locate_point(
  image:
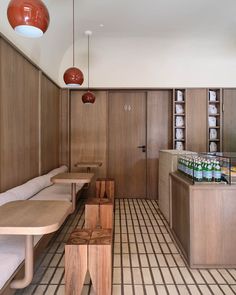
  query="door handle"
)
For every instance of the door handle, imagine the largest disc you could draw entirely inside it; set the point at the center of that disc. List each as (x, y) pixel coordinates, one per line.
(143, 147)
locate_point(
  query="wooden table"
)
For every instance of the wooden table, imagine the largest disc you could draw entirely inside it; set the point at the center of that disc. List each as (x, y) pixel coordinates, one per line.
(31, 218)
(88, 165)
(73, 179)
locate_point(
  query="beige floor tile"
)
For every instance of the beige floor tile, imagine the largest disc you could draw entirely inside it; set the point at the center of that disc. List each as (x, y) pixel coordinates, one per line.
(227, 290)
(229, 279)
(197, 276)
(117, 260)
(179, 260)
(186, 275)
(183, 290)
(51, 290)
(152, 260)
(217, 276)
(125, 248)
(207, 276)
(144, 261)
(134, 260)
(54, 262)
(194, 290)
(205, 290)
(125, 260)
(146, 276)
(138, 290)
(139, 238)
(172, 290)
(233, 273)
(116, 290)
(47, 276)
(146, 238)
(150, 290)
(62, 262)
(124, 238)
(141, 248)
(157, 248)
(149, 248)
(137, 276)
(165, 248)
(167, 275)
(176, 275)
(85, 290)
(40, 290)
(216, 290)
(161, 290)
(128, 290)
(127, 276)
(116, 248)
(61, 290)
(161, 260)
(131, 238)
(57, 276)
(170, 260)
(157, 276)
(133, 248)
(117, 275)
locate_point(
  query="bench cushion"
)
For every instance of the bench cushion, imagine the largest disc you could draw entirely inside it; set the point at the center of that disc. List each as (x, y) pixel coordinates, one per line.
(12, 253)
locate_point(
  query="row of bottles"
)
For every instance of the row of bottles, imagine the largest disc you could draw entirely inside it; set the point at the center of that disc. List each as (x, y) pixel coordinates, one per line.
(200, 168)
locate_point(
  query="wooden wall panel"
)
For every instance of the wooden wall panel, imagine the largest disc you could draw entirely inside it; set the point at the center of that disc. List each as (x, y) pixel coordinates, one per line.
(65, 127)
(158, 134)
(229, 123)
(50, 102)
(19, 132)
(196, 120)
(89, 133)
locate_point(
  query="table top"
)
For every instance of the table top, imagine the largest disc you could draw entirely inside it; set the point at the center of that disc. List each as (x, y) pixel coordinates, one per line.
(72, 177)
(88, 164)
(33, 217)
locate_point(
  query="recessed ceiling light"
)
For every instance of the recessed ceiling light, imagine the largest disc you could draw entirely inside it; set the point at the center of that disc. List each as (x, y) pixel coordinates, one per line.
(101, 25)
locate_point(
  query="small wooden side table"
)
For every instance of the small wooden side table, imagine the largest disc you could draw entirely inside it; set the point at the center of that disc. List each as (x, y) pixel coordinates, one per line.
(73, 179)
(88, 165)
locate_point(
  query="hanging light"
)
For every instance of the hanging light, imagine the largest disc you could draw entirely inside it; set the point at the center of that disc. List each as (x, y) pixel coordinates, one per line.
(88, 97)
(29, 18)
(73, 76)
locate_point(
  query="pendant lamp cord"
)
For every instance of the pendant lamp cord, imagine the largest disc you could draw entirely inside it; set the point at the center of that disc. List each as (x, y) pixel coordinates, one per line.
(73, 33)
(88, 60)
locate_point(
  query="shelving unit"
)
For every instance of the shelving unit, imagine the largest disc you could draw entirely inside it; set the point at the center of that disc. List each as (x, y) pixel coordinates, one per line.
(179, 121)
(214, 113)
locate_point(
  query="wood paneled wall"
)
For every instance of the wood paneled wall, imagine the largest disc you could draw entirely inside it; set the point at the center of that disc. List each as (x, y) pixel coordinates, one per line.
(19, 132)
(229, 124)
(50, 104)
(89, 133)
(23, 105)
(159, 131)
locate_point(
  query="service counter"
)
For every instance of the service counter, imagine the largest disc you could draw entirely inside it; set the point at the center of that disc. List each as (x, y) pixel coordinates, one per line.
(203, 221)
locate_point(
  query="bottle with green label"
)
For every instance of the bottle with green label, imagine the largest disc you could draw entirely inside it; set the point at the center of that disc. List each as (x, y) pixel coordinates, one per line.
(198, 172)
(217, 172)
(209, 171)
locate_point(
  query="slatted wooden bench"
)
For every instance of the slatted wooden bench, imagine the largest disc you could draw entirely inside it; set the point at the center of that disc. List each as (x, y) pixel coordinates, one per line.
(89, 250)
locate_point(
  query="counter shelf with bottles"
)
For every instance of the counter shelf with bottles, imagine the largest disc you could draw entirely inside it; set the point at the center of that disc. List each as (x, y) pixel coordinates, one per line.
(207, 168)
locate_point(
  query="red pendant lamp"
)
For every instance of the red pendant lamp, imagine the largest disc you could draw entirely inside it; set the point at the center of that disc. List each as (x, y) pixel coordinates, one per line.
(88, 97)
(29, 18)
(73, 76)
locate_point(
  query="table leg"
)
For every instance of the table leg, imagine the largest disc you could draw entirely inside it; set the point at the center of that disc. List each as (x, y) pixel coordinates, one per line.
(29, 265)
(88, 169)
(73, 195)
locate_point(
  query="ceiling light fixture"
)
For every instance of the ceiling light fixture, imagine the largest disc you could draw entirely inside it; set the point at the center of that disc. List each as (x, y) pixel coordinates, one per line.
(29, 18)
(73, 76)
(88, 96)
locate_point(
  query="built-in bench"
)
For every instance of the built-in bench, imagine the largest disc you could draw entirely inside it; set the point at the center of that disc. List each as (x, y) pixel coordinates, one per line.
(12, 248)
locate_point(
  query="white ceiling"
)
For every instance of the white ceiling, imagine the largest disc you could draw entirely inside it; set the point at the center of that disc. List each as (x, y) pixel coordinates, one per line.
(209, 19)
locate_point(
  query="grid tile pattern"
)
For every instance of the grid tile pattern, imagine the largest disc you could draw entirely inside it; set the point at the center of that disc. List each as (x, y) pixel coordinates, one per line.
(146, 259)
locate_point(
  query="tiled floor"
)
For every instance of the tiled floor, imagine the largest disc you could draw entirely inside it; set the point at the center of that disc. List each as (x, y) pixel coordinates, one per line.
(146, 260)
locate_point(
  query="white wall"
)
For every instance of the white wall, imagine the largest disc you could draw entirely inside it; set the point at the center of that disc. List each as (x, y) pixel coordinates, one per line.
(150, 62)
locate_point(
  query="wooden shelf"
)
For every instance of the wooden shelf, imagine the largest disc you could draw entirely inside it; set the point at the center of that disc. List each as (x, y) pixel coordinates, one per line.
(182, 140)
(216, 127)
(214, 115)
(183, 114)
(176, 127)
(214, 102)
(180, 102)
(214, 140)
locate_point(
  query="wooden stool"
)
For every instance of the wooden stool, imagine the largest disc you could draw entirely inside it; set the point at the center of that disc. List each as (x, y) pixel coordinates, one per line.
(98, 212)
(89, 250)
(105, 188)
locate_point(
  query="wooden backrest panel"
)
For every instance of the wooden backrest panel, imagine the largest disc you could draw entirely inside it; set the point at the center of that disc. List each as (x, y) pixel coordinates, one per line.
(19, 107)
(50, 101)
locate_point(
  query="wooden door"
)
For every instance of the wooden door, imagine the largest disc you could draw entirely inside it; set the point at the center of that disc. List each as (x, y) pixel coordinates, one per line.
(127, 131)
(196, 120)
(229, 124)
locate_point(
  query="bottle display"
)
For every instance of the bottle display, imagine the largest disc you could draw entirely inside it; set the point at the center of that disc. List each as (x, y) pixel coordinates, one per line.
(200, 168)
